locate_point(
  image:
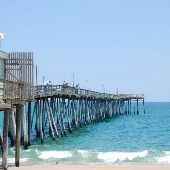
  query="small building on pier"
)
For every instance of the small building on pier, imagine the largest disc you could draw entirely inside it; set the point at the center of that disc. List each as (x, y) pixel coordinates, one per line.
(16, 88)
(3, 58)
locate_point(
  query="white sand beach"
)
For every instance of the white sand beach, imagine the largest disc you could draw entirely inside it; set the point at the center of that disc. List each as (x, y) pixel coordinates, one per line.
(93, 167)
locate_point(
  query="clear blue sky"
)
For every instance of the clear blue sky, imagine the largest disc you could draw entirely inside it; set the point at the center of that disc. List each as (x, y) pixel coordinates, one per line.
(115, 43)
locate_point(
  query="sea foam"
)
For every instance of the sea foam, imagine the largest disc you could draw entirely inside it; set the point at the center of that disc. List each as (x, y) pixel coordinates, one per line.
(12, 160)
(84, 153)
(111, 157)
(165, 158)
(55, 154)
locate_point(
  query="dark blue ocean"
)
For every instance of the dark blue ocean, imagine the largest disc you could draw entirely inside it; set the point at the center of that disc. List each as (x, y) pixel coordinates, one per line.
(143, 138)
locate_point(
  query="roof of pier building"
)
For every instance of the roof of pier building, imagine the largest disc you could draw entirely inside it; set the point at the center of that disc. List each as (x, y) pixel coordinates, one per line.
(3, 54)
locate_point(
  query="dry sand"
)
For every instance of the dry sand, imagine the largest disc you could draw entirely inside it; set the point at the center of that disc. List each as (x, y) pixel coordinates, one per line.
(93, 167)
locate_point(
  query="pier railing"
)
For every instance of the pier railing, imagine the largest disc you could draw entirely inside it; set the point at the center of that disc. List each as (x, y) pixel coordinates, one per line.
(54, 90)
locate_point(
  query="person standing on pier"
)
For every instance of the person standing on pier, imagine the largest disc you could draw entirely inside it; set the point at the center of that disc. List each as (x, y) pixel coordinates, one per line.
(47, 85)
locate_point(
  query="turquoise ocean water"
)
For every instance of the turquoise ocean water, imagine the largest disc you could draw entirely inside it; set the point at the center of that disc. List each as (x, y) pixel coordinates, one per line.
(143, 138)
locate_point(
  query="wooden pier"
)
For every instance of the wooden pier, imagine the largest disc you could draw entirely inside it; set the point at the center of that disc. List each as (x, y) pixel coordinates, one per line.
(67, 108)
(57, 109)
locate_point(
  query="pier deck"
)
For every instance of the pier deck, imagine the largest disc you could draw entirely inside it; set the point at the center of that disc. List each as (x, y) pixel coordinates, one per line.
(43, 91)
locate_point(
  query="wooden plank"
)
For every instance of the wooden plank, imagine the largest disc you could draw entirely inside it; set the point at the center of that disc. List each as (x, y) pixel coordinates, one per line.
(4, 106)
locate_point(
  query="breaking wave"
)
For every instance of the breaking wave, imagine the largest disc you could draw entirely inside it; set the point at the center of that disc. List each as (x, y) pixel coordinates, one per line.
(33, 156)
(111, 157)
(55, 154)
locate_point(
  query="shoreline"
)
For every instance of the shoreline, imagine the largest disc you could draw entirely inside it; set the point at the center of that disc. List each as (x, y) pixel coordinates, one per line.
(95, 167)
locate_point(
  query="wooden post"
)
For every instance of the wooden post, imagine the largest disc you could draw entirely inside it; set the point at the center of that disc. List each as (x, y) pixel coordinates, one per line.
(43, 116)
(74, 114)
(17, 145)
(1, 141)
(13, 124)
(34, 111)
(62, 115)
(85, 112)
(88, 112)
(37, 125)
(113, 106)
(25, 138)
(119, 106)
(51, 109)
(58, 115)
(126, 105)
(104, 109)
(10, 129)
(49, 119)
(130, 106)
(40, 122)
(80, 112)
(29, 123)
(68, 116)
(144, 106)
(137, 106)
(92, 111)
(5, 140)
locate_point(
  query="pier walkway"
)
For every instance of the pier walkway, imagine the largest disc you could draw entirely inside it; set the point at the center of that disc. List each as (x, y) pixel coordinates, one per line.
(61, 90)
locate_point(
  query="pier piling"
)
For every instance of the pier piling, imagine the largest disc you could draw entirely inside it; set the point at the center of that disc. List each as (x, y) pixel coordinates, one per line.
(5, 140)
(18, 126)
(29, 123)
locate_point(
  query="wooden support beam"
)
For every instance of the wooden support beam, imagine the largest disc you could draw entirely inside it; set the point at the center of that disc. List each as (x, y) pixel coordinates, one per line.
(49, 119)
(1, 141)
(29, 123)
(68, 116)
(130, 106)
(40, 122)
(12, 127)
(52, 114)
(17, 145)
(43, 116)
(37, 123)
(144, 106)
(25, 137)
(62, 115)
(5, 140)
(137, 106)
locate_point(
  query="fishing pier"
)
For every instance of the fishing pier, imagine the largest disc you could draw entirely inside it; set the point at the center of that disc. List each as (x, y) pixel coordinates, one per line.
(50, 110)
